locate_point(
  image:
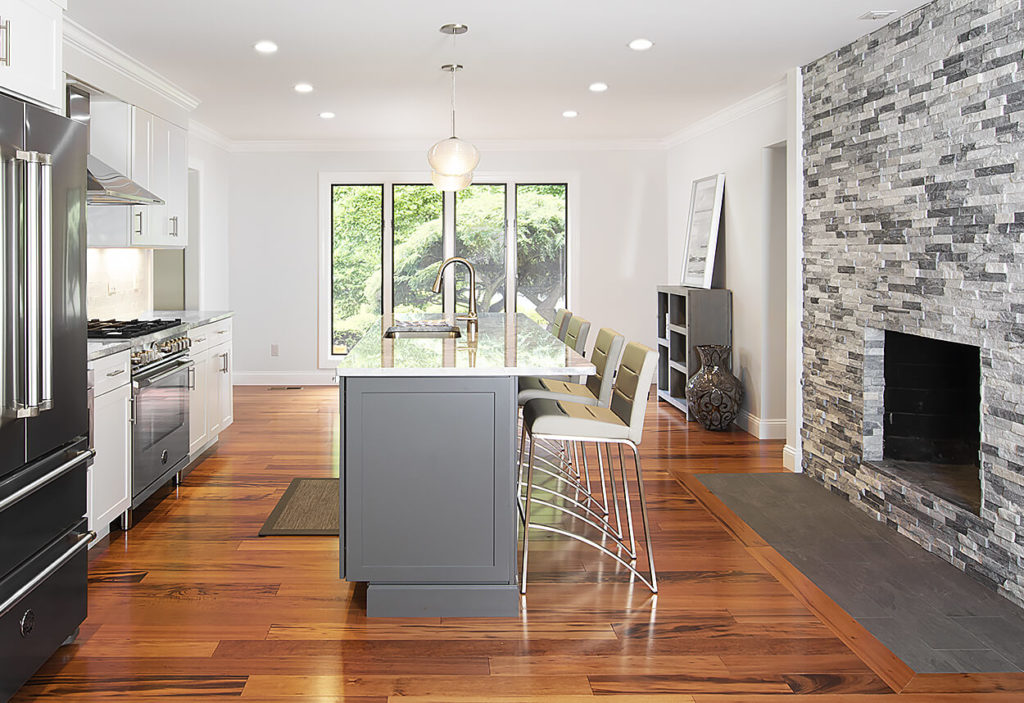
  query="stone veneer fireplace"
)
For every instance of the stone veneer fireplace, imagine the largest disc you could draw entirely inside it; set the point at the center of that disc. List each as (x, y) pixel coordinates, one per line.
(914, 224)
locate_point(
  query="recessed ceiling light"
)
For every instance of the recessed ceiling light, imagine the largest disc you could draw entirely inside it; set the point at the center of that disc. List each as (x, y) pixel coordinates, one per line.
(570, 113)
(327, 115)
(598, 87)
(877, 14)
(265, 46)
(641, 44)
(303, 88)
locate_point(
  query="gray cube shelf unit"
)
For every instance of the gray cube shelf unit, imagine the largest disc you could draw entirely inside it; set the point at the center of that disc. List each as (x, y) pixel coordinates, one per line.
(687, 318)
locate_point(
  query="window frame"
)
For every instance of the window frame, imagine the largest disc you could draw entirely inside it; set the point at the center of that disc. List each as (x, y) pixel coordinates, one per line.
(388, 180)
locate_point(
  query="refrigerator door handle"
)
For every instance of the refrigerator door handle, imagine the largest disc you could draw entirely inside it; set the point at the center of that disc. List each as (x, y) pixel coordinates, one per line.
(45, 166)
(7, 213)
(34, 330)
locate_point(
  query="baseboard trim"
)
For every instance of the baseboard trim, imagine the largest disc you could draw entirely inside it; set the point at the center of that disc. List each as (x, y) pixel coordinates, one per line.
(284, 378)
(791, 459)
(761, 428)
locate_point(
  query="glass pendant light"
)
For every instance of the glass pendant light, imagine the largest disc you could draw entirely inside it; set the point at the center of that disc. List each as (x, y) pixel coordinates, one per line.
(443, 182)
(453, 160)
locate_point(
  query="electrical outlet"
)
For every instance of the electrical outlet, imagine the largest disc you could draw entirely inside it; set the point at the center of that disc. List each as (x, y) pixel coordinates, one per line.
(274, 350)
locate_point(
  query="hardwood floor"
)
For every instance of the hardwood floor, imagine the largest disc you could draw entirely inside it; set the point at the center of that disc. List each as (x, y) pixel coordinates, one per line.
(190, 604)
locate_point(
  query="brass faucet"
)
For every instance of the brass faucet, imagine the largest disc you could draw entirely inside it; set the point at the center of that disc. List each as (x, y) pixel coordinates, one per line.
(470, 316)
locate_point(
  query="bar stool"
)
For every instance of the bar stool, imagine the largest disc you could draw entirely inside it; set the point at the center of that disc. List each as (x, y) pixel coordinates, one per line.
(621, 424)
(597, 390)
(560, 323)
(576, 334)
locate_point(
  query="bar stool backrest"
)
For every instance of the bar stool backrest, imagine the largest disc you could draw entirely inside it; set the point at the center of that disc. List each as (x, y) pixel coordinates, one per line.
(563, 326)
(605, 356)
(632, 385)
(555, 326)
(576, 335)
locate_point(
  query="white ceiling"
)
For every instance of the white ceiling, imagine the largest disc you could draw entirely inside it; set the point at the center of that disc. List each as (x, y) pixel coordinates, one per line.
(377, 64)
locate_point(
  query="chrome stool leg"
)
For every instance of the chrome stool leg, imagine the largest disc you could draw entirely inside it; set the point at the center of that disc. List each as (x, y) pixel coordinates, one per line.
(629, 504)
(526, 523)
(643, 514)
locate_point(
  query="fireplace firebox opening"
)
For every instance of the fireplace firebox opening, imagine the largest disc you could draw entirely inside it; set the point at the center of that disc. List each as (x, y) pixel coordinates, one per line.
(931, 423)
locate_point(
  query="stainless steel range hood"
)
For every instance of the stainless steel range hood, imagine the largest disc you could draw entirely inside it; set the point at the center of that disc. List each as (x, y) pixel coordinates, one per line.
(108, 187)
(105, 185)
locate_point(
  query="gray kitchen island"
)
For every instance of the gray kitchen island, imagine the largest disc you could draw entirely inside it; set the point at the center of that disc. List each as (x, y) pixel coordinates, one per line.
(427, 464)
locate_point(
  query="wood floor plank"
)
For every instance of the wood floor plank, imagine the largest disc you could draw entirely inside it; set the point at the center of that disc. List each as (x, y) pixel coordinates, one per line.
(452, 686)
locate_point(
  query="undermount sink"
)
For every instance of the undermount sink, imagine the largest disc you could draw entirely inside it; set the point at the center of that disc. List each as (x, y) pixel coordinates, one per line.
(425, 329)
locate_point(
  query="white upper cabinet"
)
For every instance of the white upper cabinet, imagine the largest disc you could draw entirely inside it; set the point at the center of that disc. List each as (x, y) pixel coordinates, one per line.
(154, 154)
(177, 185)
(31, 51)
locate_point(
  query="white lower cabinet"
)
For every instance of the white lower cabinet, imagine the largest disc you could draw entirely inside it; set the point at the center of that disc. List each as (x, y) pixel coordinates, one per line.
(221, 395)
(198, 425)
(211, 401)
(109, 485)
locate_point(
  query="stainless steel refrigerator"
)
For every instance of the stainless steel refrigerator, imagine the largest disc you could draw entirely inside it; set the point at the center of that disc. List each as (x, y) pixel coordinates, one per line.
(44, 452)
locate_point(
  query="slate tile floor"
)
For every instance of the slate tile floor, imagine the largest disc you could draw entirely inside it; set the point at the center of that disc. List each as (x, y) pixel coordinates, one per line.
(927, 612)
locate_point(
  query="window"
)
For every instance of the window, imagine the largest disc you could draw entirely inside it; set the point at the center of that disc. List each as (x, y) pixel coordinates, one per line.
(357, 226)
(382, 240)
(418, 217)
(541, 264)
(480, 214)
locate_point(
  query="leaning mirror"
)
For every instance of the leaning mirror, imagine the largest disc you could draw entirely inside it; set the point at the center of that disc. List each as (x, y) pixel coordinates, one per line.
(702, 231)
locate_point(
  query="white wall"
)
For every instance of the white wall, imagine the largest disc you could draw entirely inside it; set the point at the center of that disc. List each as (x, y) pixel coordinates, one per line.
(734, 142)
(620, 219)
(208, 254)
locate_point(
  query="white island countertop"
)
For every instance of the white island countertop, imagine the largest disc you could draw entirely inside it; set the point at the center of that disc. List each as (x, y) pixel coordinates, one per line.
(512, 345)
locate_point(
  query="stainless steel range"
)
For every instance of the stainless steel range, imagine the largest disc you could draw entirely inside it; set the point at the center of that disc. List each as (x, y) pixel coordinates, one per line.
(162, 376)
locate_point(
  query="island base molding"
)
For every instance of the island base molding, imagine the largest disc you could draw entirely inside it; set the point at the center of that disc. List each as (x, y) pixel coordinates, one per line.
(442, 601)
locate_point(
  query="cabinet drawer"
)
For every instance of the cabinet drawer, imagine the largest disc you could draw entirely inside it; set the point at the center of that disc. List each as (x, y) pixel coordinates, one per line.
(33, 626)
(208, 336)
(111, 372)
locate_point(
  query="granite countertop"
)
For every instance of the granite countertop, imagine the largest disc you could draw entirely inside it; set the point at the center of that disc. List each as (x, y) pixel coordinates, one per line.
(190, 318)
(99, 348)
(511, 345)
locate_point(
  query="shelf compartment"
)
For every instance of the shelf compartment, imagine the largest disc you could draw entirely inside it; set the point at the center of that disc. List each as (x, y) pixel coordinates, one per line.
(677, 347)
(677, 310)
(662, 315)
(679, 403)
(662, 368)
(676, 382)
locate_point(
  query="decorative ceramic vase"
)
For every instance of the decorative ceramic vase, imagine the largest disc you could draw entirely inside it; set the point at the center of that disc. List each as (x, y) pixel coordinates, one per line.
(713, 393)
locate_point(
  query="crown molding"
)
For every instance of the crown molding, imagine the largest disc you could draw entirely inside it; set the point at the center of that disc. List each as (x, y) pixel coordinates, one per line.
(81, 39)
(349, 145)
(209, 135)
(774, 93)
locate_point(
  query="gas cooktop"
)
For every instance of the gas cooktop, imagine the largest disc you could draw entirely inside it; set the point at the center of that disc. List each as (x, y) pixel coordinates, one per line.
(127, 329)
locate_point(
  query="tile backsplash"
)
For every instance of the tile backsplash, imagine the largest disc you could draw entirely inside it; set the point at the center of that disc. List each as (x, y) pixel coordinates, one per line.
(120, 283)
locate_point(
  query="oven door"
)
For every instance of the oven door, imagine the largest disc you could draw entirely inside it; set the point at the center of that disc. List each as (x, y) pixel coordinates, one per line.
(160, 426)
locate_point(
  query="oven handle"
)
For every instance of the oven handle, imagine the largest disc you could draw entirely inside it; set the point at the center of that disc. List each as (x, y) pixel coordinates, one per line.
(143, 382)
(82, 541)
(48, 478)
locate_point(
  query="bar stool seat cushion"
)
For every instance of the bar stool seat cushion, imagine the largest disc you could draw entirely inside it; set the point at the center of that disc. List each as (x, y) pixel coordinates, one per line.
(560, 418)
(533, 387)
